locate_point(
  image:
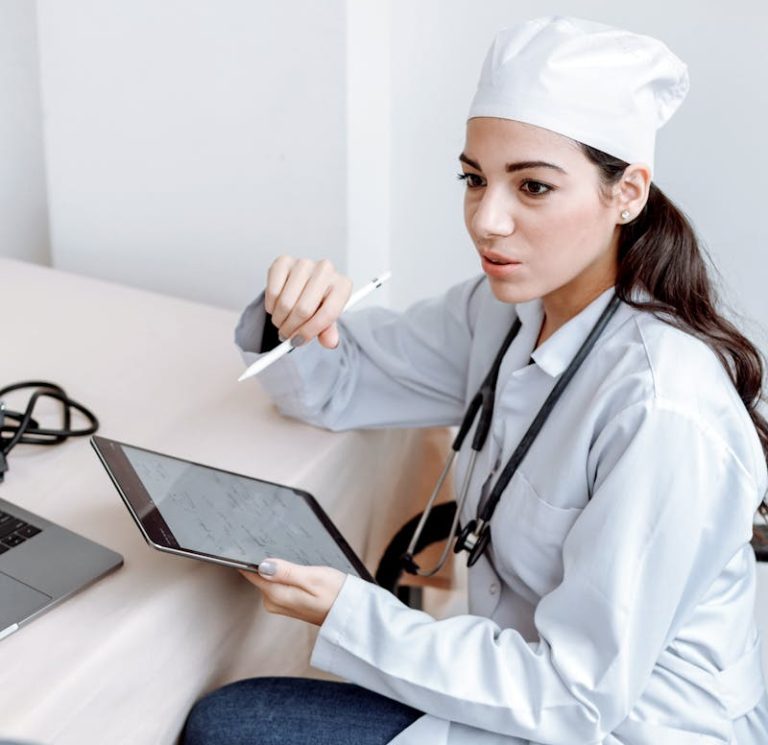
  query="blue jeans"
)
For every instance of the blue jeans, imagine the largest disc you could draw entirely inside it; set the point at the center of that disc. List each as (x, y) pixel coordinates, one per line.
(295, 711)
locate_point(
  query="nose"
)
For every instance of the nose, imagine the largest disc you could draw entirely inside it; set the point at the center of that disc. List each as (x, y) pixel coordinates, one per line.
(493, 215)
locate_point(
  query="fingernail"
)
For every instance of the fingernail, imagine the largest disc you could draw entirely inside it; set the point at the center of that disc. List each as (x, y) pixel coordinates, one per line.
(268, 568)
(297, 341)
(281, 337)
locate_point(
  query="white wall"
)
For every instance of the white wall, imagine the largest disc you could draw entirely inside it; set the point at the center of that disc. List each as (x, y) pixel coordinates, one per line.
(368, 136)
(189, 140)
(711, 157)
(23, 207)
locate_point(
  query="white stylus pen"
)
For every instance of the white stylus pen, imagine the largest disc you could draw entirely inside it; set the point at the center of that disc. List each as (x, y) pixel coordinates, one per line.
(281, 350)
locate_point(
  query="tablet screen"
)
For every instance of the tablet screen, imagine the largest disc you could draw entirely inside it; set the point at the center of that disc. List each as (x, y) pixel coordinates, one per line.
(222, 514)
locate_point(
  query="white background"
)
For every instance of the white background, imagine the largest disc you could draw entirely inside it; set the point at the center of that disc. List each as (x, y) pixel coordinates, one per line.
(23, 204)
(188, 142)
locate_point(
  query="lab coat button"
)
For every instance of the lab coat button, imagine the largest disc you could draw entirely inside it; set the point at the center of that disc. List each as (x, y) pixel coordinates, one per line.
(494, 588)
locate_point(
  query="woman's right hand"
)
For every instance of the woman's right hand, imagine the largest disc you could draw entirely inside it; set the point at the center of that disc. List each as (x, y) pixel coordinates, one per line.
(305, 298)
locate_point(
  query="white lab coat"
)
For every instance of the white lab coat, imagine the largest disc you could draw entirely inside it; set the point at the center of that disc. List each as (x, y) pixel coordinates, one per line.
(616, 603)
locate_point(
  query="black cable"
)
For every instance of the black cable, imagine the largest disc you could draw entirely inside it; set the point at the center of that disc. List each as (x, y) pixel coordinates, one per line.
(21, 428)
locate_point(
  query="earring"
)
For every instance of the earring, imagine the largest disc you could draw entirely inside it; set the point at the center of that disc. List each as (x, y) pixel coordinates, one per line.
(624, 214)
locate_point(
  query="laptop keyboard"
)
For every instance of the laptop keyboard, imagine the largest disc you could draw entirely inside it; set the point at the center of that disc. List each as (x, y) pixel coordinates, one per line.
(14, 531)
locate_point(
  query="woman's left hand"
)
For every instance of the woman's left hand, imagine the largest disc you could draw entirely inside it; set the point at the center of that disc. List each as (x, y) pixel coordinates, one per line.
(306, 593)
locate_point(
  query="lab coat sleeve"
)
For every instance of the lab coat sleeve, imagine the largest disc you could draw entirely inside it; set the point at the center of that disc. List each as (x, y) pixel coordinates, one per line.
(671, 505)
(390, 369)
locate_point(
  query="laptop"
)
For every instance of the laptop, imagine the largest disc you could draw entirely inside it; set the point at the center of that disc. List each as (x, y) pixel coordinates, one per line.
(42, 564)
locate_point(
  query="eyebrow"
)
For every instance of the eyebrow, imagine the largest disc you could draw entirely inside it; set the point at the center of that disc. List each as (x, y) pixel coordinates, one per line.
(520, 165)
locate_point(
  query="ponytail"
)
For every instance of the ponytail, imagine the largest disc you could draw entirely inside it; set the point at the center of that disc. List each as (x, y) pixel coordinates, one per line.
(659, 253)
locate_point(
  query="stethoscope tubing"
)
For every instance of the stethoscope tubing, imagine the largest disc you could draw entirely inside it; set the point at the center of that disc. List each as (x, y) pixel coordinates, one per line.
(454, 524)
(546, 409)
(26, 430)
(475, 537)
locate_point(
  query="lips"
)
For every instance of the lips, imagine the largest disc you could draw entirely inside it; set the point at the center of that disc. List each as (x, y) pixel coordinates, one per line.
(499, 267)
(498, 259)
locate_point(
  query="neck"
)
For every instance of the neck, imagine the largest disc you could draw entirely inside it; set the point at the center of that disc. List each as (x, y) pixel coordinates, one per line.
(566, 302)
(570, 299)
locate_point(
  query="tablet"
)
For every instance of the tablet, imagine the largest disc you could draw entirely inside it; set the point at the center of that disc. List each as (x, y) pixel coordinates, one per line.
(205, 513)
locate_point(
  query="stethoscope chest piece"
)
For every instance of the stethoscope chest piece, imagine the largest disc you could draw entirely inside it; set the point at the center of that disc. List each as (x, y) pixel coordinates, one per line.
(474, 538)
(476, 535)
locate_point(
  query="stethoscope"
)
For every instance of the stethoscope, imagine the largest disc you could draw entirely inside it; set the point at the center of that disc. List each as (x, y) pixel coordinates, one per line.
(475, 536)
(21, 428)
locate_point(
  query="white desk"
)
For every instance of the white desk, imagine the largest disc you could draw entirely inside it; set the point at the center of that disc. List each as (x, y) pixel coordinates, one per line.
(123, 661)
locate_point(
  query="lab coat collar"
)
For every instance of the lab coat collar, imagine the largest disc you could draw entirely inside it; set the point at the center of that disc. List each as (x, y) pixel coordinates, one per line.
(556, 353)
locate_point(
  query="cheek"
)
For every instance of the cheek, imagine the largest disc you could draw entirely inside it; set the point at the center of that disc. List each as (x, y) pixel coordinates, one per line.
(570, 237)
(469, 211)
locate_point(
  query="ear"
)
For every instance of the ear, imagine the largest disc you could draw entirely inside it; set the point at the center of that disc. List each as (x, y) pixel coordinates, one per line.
(631, 192)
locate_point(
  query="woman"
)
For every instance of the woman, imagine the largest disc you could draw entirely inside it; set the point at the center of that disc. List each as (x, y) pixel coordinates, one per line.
(615, 601)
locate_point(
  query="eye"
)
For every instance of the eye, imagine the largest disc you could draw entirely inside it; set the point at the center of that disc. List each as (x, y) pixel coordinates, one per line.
(472, 180)
(535, 188)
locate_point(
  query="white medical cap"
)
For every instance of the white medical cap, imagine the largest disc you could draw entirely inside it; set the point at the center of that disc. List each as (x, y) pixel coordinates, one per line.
(608, 88)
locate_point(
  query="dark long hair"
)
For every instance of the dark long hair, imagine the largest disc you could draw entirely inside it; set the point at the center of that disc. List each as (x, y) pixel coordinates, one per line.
(659, 253)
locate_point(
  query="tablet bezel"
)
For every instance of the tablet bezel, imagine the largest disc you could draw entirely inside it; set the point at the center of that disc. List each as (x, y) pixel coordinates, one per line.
(156, 531)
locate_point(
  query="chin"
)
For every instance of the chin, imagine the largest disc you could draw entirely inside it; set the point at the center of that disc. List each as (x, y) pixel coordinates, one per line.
(507, 292)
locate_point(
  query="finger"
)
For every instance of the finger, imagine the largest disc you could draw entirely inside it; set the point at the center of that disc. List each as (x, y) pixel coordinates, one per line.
(291, 602)
(297, 603)
(282, 599)
(306, 593)
(330, 337)
(298, 276)
(318, 286)
(276, 276)
(329, 311)
(288, 600)
(282, 572)
(277, 596)
(252, 577)
(310, 580)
